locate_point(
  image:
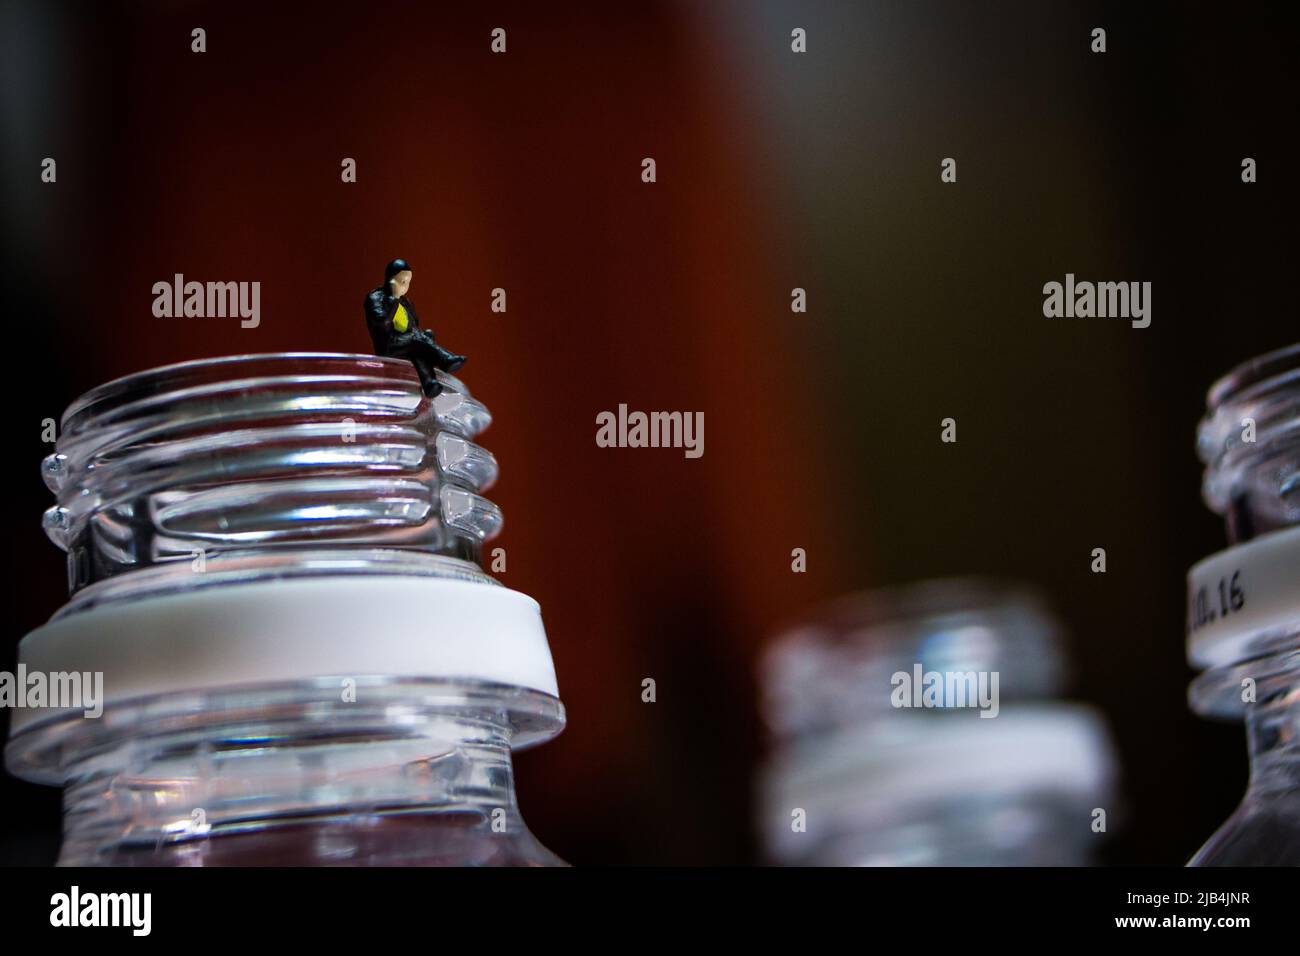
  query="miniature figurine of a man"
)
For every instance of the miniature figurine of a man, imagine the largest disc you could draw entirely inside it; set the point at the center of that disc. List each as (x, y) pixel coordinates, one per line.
(396, 333)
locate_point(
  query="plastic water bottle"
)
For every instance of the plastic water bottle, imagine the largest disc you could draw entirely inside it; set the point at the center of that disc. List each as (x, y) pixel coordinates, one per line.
(1243, 616)
(920, 726)
(274, 568)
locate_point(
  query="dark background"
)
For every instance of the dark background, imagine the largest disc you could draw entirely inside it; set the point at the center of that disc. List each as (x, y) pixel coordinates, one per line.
(775, 170)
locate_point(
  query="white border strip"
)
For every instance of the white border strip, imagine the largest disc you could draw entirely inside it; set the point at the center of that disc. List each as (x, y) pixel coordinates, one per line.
(294, 629)
(1238, 593)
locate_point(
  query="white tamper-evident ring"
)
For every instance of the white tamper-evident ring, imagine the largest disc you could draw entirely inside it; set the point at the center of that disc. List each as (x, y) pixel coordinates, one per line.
(294, 629)
(1239, 593)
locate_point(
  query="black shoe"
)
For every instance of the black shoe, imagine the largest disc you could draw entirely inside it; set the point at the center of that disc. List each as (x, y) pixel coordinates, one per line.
(453, 362)
(432, 388)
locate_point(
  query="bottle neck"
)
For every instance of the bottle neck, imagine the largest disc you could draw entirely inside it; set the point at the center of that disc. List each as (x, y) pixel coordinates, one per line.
(1273, 736)
(1250, 444)
(1263, 689)
(389, 780)
(261, 467)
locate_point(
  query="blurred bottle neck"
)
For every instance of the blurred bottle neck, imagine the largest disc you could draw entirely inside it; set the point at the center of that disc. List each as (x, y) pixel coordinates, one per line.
(1249, 441)
(1273, 736)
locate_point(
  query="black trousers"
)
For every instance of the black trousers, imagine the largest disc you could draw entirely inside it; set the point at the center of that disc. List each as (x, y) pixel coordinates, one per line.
(426, 355)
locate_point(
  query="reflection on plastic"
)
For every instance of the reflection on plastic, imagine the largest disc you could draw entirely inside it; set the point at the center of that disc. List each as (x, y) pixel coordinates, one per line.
(1243, 611)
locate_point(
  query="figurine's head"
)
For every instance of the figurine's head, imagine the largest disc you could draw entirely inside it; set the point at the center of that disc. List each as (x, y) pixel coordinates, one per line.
(397, 276)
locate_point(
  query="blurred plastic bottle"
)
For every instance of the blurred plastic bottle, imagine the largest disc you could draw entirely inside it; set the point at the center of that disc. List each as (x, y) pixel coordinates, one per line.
(274, 564)
(862, 775)
(1243, 617)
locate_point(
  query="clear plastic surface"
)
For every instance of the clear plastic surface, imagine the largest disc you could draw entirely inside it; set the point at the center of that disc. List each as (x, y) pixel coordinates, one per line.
(1249, 440)
(855, 779)
(383, 773)
(249, 470)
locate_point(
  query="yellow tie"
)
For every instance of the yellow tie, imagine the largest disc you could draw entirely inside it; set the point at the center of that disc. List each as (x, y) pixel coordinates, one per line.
(400, 321)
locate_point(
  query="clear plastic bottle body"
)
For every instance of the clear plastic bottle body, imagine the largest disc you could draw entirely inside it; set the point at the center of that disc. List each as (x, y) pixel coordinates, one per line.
(1250, 443)
(995, 828)
(198, 485)
(390, 773)
(1264, 830)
